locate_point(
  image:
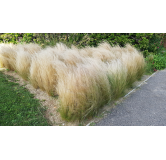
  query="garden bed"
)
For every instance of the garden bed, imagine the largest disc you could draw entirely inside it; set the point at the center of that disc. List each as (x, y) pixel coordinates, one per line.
(52, 104)
(82, 80)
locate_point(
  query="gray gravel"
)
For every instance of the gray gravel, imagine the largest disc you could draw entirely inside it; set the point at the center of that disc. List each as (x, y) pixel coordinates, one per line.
(145, 107)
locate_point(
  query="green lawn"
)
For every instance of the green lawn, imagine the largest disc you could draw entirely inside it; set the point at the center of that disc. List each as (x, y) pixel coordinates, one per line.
(17, 105)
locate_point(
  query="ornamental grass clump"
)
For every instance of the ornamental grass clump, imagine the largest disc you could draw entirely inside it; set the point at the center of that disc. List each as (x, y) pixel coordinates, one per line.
(1, 64)
(131, 58)
(82, 89)
(117, 51)
(42, 72)
(138, 60)
(117, 75)
(8, 56)
(103, 54)
(30, 47)
(105, 45)
(99, 53)
(24, 57)
(85, 79)
(23, 62)
(72, 57)
(134, 62)
(60, 47)
(82, 51)
(128, 61)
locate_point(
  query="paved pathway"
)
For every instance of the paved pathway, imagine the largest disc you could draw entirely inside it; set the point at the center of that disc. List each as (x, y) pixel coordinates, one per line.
(145, 107)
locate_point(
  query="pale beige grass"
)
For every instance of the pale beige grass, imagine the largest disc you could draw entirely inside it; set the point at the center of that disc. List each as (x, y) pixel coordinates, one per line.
(23, 62)
(82, 89)
(30, 47)
(42, 72)
(117, 75)
(8, 56)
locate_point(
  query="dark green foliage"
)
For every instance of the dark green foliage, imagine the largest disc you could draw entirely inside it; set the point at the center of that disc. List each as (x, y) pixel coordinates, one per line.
(159, 61)
(17, 106)
(156, 62)
(112, 38)
(10, 37)
(145, 42)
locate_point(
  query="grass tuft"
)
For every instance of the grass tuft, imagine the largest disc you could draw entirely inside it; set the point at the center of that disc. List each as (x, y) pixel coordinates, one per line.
(42, 72)
(117, 75)
(82, 90)
(23, 58)
(8, 56)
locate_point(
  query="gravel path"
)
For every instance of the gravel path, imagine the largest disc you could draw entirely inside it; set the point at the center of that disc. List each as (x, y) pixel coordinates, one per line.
(145, 107)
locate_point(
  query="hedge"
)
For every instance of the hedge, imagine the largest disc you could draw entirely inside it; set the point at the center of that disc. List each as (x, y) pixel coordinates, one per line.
(148, 43)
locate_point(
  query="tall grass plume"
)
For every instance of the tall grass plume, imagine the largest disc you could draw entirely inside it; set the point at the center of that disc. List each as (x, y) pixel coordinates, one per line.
(82, 89)
(8, 56)
(117, 75)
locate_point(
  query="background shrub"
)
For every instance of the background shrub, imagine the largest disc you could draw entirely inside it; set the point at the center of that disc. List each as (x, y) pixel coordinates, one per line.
(159, 61)
(145, 42)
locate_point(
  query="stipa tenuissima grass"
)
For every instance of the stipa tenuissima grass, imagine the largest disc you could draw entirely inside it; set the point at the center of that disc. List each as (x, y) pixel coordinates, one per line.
(8, 56)
(82, 89)
(42, 72)
(30, 47)
(117, 75)
(24, 57)
(85, 79)
(138, 60)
